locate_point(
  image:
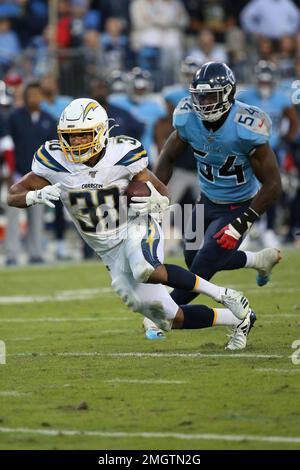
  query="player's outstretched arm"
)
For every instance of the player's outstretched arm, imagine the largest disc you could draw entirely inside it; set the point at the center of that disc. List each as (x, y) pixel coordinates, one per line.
(32, 189)
(265, 168)
(171, 151)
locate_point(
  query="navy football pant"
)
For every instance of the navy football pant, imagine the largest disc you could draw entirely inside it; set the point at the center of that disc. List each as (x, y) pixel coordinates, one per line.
(211, 258)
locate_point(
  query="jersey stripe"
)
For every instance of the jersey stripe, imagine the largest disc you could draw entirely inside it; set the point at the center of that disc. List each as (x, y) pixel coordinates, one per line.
(44, 157)
(133, 156)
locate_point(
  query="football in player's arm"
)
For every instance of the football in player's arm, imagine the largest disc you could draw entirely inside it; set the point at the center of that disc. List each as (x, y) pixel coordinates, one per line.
(88, 171)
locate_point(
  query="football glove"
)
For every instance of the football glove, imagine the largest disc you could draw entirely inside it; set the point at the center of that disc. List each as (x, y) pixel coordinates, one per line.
(154, 204)
(44, 196)
(229, 235)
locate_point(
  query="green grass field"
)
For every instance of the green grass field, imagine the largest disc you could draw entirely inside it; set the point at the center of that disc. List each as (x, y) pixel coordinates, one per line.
(80, 375)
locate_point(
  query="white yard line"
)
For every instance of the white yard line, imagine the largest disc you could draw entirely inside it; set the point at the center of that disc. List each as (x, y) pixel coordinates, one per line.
(154, 435)
(63, 296)
(64, 319)
(146, 355)
(148, 381)
(283, 371)
(99, 333)
(12, 393)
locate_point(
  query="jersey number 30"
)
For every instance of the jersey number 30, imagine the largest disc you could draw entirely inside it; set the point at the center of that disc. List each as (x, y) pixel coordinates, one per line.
(96, 210)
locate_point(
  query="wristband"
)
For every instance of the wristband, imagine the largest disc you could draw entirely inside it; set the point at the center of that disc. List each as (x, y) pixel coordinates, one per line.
(244, 222)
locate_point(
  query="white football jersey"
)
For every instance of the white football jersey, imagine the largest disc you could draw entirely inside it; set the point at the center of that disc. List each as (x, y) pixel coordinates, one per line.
(91, 195)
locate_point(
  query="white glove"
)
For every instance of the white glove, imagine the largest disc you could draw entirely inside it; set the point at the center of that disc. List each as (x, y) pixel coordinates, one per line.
(44, 196)
(154, 204)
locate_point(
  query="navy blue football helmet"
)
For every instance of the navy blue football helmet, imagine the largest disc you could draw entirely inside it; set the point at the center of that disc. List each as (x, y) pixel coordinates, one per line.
(212, 90)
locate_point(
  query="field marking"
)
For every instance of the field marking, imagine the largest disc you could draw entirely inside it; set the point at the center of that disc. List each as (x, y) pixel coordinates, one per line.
(261, 369)
(151, 435)
(65, 319)
(12, 393)
(63, 296)
(278, 315)
(148, 381)
(139, 354)
(99, 333)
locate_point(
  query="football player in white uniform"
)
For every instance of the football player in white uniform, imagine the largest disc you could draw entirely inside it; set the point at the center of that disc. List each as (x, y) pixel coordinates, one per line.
(89, 171)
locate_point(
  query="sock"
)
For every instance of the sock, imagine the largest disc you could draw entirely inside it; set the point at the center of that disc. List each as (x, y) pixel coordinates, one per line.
(197, 316)
(224, 316)
(251, 259)
(149, 324)
(184, 279)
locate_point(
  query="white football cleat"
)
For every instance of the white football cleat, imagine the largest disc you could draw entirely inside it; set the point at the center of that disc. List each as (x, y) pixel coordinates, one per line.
(265, 260)
(236, 302)
(238, 338)
(152, 331)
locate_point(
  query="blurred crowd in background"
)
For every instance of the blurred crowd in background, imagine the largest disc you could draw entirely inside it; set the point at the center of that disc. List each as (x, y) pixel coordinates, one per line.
(137, 57)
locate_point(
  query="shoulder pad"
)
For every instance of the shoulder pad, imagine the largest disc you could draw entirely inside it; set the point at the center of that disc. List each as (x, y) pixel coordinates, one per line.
(49, 155)
(252, 122)
(182, 112)
(132, 150)
(184, 106)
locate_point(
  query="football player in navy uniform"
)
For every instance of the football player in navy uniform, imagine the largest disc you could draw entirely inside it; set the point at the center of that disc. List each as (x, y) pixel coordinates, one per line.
(237, 170)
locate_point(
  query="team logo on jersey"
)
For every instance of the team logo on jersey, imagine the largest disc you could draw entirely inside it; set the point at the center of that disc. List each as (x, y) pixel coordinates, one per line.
(92, 174)
(87, 109)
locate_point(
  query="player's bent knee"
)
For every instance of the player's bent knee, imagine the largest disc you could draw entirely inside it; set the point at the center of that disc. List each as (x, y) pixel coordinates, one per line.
(142, 272)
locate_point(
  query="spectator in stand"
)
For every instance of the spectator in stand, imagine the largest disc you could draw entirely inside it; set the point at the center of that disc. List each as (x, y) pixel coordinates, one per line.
(286, 57)
(82, 19)
(217, 15)
(92, 56)
(7, 156)
(32, 21)
(206, 49)
(64, 24)
(113, 8)
(28, 127)
(39, 52)
(9, 44)
(271, 18)
(157, 37)
(114, 44)
(15, 88)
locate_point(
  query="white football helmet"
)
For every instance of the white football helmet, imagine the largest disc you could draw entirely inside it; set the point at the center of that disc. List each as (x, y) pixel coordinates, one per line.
(83, 115)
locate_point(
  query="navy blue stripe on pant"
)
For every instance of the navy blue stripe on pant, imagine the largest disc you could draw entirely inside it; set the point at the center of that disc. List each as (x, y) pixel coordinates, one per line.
(211, 258)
